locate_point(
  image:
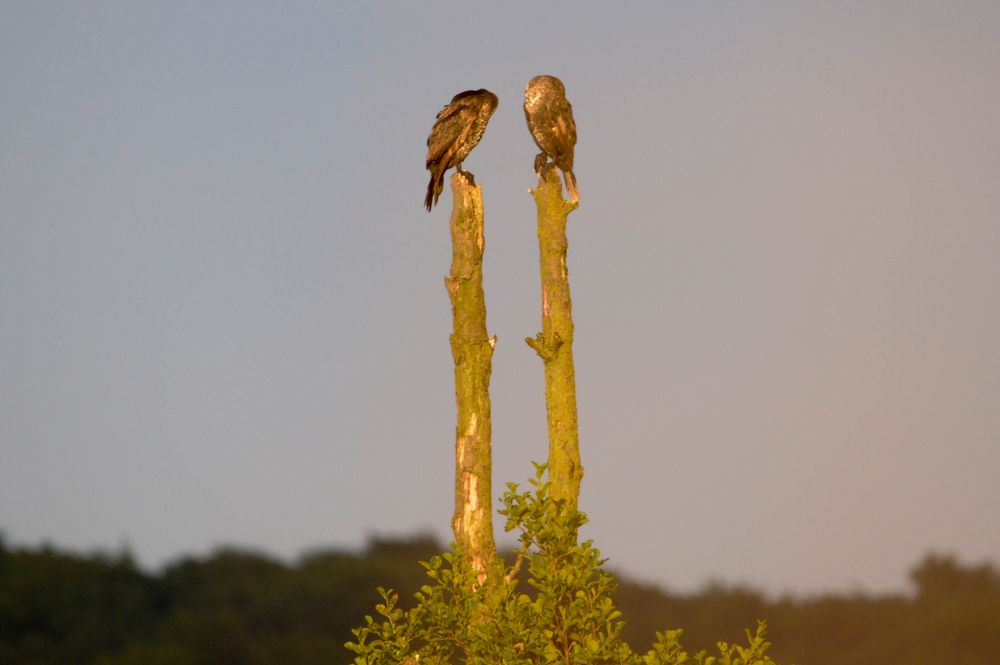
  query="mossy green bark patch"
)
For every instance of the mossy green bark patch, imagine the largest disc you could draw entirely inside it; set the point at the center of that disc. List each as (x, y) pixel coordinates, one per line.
(554, 344)
(472, 351)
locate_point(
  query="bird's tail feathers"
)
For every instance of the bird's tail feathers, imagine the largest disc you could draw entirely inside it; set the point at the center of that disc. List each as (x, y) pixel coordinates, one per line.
(429, 199)
(434, 188)
(574, 193)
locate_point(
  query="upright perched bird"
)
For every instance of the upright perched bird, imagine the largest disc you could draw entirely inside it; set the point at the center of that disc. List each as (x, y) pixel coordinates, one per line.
(458, 129)
(550, 120)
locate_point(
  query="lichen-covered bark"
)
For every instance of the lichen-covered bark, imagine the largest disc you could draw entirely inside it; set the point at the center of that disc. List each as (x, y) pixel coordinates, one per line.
(472, 350)
(554, 344)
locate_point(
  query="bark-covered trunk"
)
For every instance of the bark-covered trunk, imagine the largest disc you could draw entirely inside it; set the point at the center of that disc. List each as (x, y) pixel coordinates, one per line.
(554, 344)
(472, 350)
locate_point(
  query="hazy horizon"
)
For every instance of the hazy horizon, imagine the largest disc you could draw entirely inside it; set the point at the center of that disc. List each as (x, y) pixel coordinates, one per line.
(223, 313)
(508, 547)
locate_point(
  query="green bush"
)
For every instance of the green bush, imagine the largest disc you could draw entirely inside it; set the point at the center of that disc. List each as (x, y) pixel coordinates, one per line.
(566, 615)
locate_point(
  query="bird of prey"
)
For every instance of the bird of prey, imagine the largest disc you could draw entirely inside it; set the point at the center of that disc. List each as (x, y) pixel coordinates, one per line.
(550, 120)
(458, 129)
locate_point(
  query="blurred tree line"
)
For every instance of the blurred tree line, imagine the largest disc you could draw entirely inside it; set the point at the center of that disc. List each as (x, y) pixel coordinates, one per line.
(237, 607)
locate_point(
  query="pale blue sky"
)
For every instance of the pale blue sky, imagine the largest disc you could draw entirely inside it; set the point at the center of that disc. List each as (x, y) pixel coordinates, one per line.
(223, 319)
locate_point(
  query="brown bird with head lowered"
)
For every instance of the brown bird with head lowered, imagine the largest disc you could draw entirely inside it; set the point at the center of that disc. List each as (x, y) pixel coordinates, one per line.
(550, 120)
(458, 129)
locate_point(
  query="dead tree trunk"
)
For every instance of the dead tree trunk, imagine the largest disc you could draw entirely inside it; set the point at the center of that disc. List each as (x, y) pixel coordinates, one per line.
(472, 350)
(554, 344)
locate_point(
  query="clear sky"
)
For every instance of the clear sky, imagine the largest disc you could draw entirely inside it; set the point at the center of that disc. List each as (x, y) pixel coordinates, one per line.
(222, 317)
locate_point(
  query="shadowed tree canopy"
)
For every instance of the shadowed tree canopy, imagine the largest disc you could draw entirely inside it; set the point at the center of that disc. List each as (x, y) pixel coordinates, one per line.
(246, 608)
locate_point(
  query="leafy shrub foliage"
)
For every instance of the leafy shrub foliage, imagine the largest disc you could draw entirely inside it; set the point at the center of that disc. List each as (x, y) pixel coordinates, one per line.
(565, 615)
